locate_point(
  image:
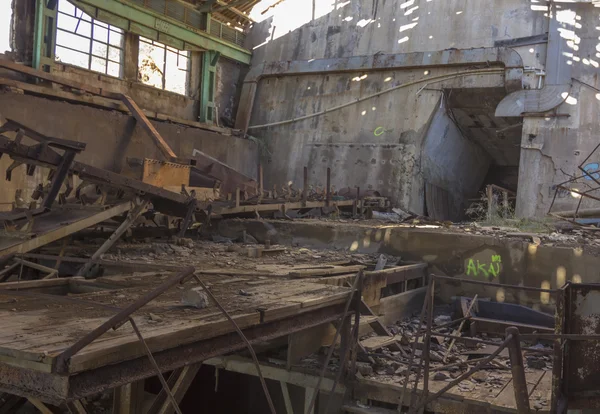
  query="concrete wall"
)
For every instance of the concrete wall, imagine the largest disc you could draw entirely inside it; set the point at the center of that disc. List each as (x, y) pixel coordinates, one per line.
(552, 148)
(517, 261)
(374, 144)
(228, 87)
(111, 136)
(452, 163)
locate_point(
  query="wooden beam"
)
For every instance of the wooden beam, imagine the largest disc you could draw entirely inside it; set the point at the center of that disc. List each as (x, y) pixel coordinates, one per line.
(76, 407)
(246, 366)
(179, 382)
(128, 399)
(26, 70)
(304, 343)
(40, 406)
(139, 115)
(286, 398)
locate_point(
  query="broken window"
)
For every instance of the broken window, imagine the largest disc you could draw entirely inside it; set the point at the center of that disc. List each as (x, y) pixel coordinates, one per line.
(85, 42)
(163, 66)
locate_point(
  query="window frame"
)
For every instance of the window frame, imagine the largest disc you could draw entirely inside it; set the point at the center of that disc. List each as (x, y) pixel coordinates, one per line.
(90, 53)
(179, 53)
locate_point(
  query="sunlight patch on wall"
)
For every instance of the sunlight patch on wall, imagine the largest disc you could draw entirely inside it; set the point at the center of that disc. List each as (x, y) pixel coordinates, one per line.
(5, 17)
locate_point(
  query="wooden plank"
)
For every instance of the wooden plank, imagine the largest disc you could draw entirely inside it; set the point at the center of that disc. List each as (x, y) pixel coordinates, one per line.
(401, 273)
(67, 229)
(505, 401)
(139, 115)
(396, 307)
(106, 102)
(336, 270)
(26, 70)
(33, 284)
(370, 410)
(377, 342)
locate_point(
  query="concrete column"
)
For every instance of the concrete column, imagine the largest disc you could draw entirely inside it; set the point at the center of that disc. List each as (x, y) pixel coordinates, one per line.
(132, 53)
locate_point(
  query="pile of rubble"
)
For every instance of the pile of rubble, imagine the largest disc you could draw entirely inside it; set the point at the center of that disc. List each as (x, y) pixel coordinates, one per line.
(448, 361)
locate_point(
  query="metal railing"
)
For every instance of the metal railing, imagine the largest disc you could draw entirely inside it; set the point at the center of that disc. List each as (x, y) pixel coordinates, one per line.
(176, 10)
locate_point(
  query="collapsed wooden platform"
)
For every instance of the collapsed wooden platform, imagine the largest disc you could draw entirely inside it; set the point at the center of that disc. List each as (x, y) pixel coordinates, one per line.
(36, 330)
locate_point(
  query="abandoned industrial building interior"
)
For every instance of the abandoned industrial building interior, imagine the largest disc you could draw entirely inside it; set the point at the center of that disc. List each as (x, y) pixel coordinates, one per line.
(299, 206)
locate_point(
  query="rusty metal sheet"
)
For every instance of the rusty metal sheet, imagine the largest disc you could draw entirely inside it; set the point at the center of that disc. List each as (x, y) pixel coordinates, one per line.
(582, 358)
(163, 174)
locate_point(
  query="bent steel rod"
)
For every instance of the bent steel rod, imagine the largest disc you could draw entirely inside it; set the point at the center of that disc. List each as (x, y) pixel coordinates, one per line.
(119, 318)
(467, 374)
(335, 338)
(248, 344)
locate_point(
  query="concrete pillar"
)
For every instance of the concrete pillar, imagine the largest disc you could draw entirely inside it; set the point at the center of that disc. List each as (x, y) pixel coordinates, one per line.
(128, 399)
(132, 53)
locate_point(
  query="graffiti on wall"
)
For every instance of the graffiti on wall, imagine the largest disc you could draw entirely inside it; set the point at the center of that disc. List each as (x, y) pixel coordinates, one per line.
(592, 171)
(486, 268)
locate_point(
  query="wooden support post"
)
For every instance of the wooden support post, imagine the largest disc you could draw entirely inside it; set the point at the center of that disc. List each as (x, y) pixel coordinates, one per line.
(286, 398)
(139, 115)
(129, 398)
(43, 408)
(179, 382)
(328, 190)
(134, 213)
(305, 187)
(237, 197)
(308, 395)
(518, 371)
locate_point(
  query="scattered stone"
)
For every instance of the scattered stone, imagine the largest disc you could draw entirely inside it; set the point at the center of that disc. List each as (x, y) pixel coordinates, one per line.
(195, 297)
(154, 318)
(440, 376)
(442, 319)
(479, 376)
(537, 406)
(364, 368)
(244, 293)
(536, 363)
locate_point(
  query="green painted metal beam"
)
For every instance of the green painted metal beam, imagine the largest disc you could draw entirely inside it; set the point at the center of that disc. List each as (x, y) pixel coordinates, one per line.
(145, 20)
(207, 96)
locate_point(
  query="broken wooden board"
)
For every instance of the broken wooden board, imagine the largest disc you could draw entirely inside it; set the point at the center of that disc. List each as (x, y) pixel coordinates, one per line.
(36, 331)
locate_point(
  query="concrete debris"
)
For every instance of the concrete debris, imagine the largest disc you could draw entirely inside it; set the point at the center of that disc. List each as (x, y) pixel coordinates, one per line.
(154, 318)
(195, 297)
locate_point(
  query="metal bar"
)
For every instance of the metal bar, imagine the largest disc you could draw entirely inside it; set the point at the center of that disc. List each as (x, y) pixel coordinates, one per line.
(518, 371)
(570, 337)
(338, 376)
(335, 338)
(468, 373)
(459, 330)
(133, 214)
(123, 315)
(185, 224)
(427, 344)
(477, 282)
(414, 348)
(355, 338)
(557, 363)
(482, 341)
(248, 345)
(156, 367)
